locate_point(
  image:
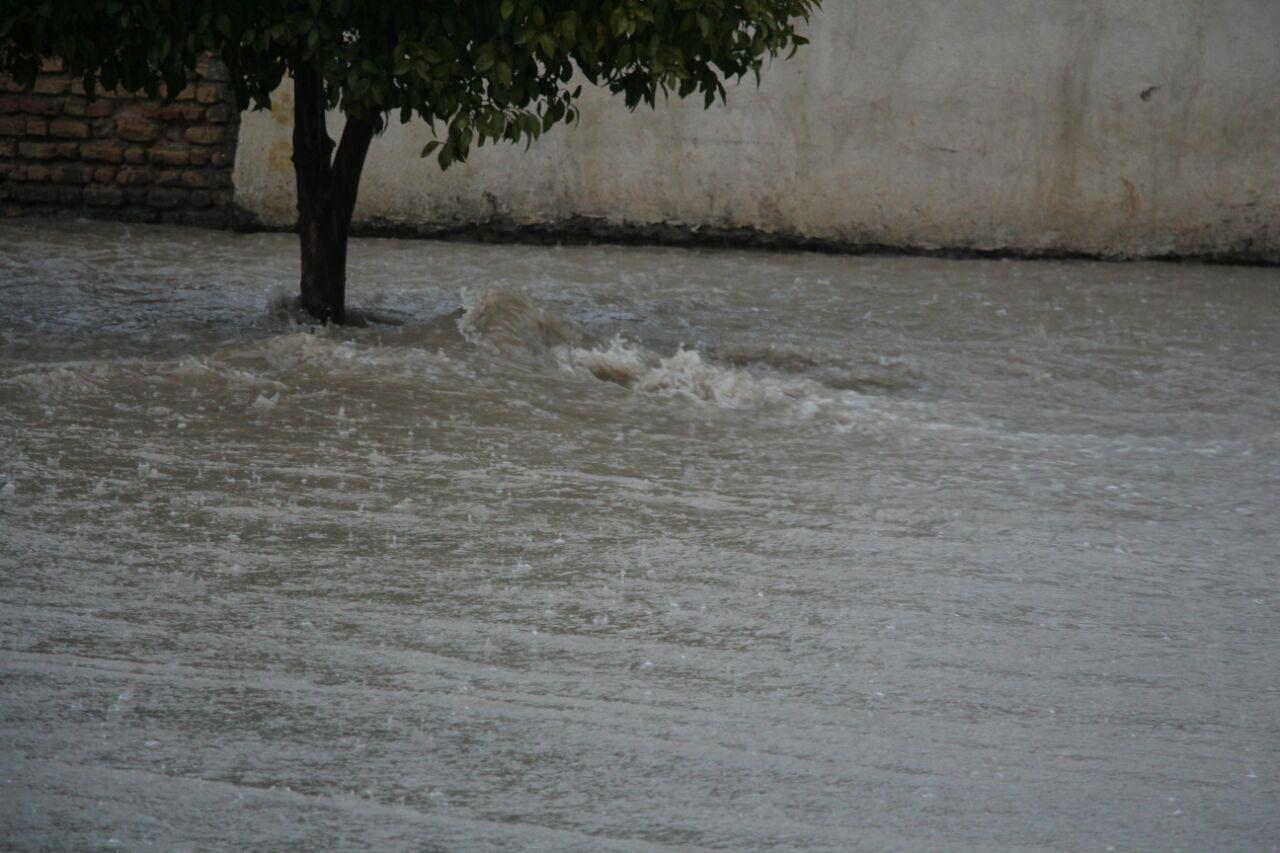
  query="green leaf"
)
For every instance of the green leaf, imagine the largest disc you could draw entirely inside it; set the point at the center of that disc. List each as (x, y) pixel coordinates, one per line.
(486, 69)
(618, 22)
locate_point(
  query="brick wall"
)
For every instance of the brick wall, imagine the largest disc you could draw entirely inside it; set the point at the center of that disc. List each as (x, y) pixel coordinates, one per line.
(118, 155)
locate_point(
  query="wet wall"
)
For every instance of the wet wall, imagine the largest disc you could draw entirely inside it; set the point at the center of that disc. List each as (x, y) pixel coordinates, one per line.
(1143, 128)
(119, 155)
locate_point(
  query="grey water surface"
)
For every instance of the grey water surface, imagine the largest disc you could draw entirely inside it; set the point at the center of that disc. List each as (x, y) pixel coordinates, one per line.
(611, 548)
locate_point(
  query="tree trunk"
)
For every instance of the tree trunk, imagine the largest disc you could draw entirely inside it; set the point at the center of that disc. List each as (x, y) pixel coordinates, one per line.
(327, 187)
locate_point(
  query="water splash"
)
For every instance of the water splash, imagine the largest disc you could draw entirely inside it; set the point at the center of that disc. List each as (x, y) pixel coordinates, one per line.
(514, 325)
(687, 373)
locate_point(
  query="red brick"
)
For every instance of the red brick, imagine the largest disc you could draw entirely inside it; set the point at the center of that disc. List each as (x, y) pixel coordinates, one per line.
(169, 154)
(169, 178)
(69, 128)
(37, 127)
(219, 114)
(209, 93)
(222, 158)
(200, 178)
(99, 196)
(136, 129)
(187, 94)
(135, 154)
(104, 174)
(200, 156)
(99, 108)
(40, 106)
(212, 68)
(51, 85)
(47, 194)
(38, 150)
(74, 107)
(72, 173)
(14, 126)
(166, 198)
(193, 112)
(170, 113)
(8, 147)
(37, 173)
(132, 177)
(106, 151)
(69, 150)
(205, 134)
(9, 104)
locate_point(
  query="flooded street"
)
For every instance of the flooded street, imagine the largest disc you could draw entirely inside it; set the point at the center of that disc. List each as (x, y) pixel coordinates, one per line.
(615, 548)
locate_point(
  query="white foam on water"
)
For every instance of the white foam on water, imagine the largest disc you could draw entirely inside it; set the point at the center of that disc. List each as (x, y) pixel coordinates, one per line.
(472, 309)
(686, 373)
(72, 379)
(265, 403)
(515, 325)
(214, 368)
(336, 352)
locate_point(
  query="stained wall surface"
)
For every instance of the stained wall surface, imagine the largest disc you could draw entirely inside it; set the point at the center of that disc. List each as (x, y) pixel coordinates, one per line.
(1133, 128)
(117, 154)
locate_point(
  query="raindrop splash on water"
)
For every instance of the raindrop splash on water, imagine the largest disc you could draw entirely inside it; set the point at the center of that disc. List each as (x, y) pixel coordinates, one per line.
(628, 548)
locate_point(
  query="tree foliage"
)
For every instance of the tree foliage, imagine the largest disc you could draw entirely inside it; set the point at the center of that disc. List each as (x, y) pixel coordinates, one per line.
(476, 70)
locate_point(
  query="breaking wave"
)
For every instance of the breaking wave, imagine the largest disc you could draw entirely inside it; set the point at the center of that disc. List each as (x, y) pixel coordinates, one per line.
(686, 373)
(512, 324)
(512, 332)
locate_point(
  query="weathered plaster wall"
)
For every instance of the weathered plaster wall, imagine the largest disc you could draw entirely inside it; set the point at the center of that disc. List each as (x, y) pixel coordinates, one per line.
(1130, 127)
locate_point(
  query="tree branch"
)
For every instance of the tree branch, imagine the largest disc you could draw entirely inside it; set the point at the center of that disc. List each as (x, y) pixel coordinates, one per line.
(348, 164)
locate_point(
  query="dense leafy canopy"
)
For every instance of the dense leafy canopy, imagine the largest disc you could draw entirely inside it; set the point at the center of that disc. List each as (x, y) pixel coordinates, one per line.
(485, 69)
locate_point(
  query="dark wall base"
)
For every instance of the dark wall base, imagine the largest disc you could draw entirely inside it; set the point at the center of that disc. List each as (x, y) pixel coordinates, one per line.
(581, 230)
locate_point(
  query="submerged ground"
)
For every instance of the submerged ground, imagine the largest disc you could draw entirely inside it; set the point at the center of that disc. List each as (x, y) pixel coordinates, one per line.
(603, 548)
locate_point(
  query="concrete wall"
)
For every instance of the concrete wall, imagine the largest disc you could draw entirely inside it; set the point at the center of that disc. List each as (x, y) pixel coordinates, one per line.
(1130, 127)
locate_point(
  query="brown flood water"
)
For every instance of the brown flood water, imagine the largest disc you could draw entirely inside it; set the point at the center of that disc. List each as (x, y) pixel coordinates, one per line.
(605, 548)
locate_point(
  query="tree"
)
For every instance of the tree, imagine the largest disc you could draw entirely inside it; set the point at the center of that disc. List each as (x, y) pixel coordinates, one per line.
(477, 70)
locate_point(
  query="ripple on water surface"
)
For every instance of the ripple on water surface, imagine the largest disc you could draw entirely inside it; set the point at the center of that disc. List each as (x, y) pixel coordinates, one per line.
(601, 547)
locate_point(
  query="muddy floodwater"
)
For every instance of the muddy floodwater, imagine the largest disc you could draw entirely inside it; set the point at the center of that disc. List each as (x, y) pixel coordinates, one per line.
(612, 548)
